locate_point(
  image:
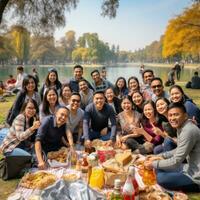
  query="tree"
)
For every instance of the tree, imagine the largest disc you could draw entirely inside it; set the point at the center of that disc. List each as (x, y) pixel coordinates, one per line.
(47, 14)
(182, 35)
(20, 39)
(70, 44)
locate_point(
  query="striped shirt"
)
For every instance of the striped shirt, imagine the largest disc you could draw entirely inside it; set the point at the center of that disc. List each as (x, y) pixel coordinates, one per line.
(17, 133)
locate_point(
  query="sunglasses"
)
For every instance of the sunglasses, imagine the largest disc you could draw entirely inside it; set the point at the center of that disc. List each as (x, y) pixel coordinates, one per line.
(156, 86)
(75, 100)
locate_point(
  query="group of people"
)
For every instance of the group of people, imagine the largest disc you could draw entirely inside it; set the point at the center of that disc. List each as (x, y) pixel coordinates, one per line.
(142, 117)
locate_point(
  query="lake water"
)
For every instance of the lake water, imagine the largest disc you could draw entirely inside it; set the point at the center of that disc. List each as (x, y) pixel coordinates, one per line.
(113, 72)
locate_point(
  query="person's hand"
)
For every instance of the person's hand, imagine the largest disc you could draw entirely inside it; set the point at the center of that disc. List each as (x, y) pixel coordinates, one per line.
(88, 143)
(194, 121)
(104, 131)
(157, 131)
(36, 125)
(148, 164)
(42, 165)
(153, 157)
(124, 138)
(118, 142)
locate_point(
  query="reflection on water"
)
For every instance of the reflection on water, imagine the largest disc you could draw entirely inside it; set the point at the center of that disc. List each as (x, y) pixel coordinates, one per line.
(113, 72)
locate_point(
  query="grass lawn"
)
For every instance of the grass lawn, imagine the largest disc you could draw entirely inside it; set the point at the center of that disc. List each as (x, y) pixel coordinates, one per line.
(7, 187)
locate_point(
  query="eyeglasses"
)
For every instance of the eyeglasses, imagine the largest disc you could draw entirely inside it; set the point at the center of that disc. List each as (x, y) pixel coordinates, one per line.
(156, 86)
(75, 100)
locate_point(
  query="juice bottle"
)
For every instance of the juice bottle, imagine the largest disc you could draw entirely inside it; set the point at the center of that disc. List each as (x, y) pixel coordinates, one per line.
(97, 177)
(116, 195)
(149, 177)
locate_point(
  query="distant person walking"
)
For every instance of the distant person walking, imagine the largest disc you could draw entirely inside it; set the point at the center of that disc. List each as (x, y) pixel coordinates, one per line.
(178, 70)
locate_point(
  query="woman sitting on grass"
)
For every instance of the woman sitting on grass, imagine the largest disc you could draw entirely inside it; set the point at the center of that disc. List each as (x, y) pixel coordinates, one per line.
(29, 91)
(17, 145)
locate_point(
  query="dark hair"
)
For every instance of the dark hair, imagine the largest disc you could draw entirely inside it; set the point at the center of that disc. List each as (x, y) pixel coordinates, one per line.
(185, 97)
(65, 107)
(196, 73)
(157, 79)
(98, 92)
(117, 88)
(20, 68)
(140, 95)
(177, 105)
(126, 97)
(62, 88)
(26, 82)
(147, 70)
(11, 76)
(82, 79)
(47, 82)
(78, 67)
(76, 93)
(45, 103)
(96, 70)
(164, 99)
(144, 118)
(31, 120)
(136, 79)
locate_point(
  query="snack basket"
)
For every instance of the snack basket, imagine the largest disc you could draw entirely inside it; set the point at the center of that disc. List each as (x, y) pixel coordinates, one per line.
(105, 153)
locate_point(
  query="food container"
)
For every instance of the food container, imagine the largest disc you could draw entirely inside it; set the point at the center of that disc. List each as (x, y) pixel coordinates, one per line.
(105, 153)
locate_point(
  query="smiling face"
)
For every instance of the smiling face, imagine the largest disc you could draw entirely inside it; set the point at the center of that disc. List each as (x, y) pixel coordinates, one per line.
(137, 98)
(161, 106)
(126, 105)
(148, 76)
(96, 77)
(83, 86)
(176, 117)
(78, 73)
(176, 95)
(52, 77)
(52, 97)
(66, 92)
(157, 88)
(30, 110)
(99, 101)
(30, 87)
(133, 85)
(61, 116)
(75, 101)
(109, 95)
(120, 83)
(148, 111)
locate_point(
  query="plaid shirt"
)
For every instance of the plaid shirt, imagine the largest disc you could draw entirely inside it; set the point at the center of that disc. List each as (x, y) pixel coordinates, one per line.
(17, 133)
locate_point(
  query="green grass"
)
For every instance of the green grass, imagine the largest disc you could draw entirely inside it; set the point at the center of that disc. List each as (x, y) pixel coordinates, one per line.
(7, 187)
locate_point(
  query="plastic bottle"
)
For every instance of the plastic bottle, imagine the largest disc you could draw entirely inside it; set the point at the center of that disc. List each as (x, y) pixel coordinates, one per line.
(131, 188)
(116, 195)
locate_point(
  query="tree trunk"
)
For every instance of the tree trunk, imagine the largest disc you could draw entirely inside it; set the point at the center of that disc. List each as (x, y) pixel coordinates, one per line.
(3, 4)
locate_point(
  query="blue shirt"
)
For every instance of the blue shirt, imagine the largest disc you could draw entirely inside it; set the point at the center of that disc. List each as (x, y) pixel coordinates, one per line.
(50, 135)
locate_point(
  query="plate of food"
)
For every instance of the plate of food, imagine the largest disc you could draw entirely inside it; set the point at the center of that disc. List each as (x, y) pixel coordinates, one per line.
(58, 158)
(37, 180)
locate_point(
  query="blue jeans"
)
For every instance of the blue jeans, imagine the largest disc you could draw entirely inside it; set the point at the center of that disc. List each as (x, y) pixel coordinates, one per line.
(96, 135)
(167, 145)
(176, 180)
(18, 152)
(3, 133)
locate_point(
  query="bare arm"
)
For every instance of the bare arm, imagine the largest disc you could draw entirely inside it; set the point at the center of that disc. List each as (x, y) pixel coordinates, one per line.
(38, 151)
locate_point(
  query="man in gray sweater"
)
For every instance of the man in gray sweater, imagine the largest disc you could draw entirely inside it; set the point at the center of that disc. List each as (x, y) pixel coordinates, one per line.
(171, 170)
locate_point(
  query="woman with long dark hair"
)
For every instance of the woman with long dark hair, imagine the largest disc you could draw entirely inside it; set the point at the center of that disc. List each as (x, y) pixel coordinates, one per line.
(138, 101)
(150, 124)
(29, 91)
(177, 95)
(50, 103)
(120, 87)
(133, 85)
(51, 81)
(18, 144)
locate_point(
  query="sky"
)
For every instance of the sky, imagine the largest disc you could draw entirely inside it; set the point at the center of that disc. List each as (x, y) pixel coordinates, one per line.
(137, 24)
